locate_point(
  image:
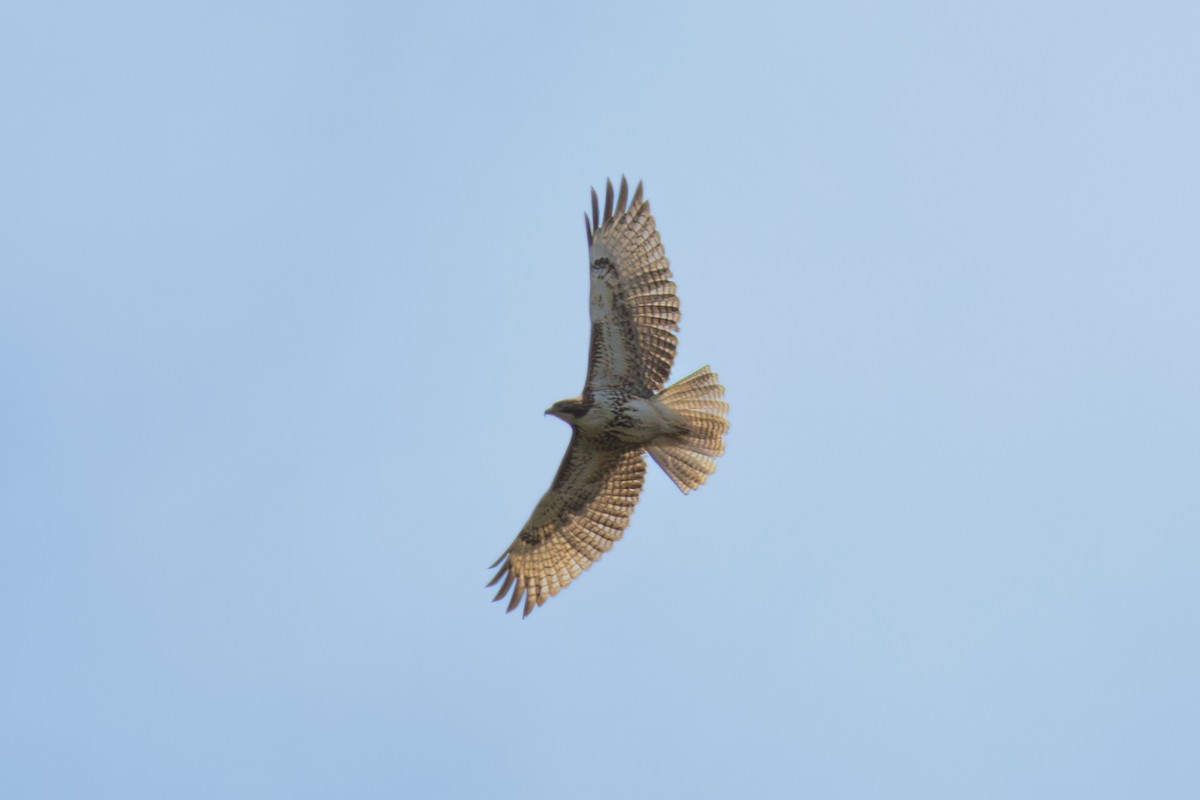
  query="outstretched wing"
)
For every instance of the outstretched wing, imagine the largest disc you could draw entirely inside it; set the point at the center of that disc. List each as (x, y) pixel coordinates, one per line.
(576, 522)
(634, 308)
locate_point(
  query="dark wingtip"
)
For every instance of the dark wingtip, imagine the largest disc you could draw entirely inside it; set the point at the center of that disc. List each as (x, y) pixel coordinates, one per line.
(518, 591)
(622, 202)
(504, 587)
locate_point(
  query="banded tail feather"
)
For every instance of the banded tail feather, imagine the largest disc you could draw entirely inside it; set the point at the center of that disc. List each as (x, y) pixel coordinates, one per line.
(689, 460)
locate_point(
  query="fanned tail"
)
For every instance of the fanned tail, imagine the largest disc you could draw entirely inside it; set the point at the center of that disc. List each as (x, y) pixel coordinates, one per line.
(689, 459)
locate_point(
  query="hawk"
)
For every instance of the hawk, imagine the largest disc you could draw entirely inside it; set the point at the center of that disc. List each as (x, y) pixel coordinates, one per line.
(623, 411)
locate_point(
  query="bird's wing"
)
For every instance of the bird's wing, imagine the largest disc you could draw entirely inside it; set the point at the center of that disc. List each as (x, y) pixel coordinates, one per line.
(576, 522)
(633, 305)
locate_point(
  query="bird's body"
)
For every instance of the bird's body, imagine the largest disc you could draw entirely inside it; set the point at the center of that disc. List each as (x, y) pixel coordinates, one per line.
(623, 411)
(618, 418)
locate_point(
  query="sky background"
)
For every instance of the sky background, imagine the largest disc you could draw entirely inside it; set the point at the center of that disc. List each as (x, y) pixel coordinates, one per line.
(285, 289)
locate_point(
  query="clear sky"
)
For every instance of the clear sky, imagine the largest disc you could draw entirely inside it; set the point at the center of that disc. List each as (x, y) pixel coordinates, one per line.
(285, 289)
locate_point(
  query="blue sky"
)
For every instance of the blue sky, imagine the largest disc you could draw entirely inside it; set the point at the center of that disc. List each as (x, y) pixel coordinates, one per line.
(285, 289)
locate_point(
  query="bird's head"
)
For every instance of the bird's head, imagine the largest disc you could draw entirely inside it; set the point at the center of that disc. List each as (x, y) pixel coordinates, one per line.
(569, 411)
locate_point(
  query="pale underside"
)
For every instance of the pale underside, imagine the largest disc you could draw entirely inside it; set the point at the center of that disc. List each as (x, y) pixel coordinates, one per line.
(634, 314)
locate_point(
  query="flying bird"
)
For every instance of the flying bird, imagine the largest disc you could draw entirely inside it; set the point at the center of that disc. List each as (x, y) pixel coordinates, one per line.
(623, 412)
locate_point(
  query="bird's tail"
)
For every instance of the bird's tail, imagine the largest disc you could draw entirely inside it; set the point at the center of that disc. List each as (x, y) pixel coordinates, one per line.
(688, 459)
